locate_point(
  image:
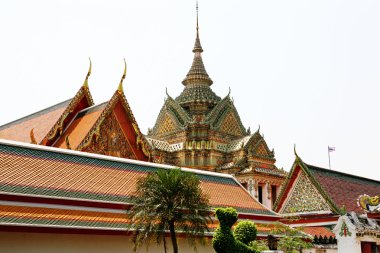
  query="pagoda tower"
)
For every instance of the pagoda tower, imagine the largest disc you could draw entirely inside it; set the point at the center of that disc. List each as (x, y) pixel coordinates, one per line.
(201, 130)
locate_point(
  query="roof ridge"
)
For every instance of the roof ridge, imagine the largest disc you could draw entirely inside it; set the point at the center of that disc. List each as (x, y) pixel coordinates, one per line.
(342, 173)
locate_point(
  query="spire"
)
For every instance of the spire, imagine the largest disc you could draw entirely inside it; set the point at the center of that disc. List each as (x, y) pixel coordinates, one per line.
(120, 88)
(197, 45)
(85, 83)
(197, 73)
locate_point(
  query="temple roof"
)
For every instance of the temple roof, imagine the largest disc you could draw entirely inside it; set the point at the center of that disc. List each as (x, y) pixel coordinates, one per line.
(197, 82)
(340, 190)
(41, 122)
(57, 173)
(318, 231)
(197, 93)
(80, 126)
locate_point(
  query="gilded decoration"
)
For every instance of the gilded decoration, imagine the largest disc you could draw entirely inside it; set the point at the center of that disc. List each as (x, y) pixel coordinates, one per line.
(58, 127)
(369, 204)
(167, 125)
(230, 125)
(261, 150)
(111, 140)
(305, 197)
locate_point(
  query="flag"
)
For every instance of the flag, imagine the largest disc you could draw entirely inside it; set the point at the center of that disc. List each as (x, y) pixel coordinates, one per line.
(331, 149)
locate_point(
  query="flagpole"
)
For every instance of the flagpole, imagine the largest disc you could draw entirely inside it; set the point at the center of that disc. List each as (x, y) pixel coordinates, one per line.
(328, 152)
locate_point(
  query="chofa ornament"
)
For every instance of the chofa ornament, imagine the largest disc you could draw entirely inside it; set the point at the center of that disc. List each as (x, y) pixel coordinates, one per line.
(369, 204)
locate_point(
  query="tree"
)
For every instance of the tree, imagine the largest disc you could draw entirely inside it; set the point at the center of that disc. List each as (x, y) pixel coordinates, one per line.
(169, 200)
(292, 240)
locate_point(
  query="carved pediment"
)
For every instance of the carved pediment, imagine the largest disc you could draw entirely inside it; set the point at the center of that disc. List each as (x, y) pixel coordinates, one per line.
(166, 125)
(225, 118)
(258, 147)
(230, 125)
(172, 117)
(111, 140)
(304, 197)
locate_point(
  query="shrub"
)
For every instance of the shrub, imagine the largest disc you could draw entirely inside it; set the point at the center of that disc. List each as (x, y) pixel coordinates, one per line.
(245, 231)
(223, 240)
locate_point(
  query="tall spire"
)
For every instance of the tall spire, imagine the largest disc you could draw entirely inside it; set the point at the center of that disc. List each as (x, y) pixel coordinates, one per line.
(197, 45)
(197, 73)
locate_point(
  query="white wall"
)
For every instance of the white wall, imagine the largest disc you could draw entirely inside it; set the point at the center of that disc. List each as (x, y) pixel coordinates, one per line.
(15, 242)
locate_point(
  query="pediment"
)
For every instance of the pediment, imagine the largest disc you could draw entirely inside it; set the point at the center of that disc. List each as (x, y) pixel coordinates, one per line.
(166, 125)
(111, 140)
(261, 149)
(171, 118)
(230, 125)
(225, 118)
(257, 146)
(304, 197)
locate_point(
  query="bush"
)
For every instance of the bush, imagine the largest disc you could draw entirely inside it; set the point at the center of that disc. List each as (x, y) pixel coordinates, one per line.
(245, 231)
(259, 245)
(223, 240)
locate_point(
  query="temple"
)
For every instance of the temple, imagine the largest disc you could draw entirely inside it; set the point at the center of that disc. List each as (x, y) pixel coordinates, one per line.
(198, 129)
(327, 200)
(108, 128)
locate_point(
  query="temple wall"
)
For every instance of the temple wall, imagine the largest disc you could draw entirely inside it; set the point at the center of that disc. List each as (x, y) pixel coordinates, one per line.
(17, 242)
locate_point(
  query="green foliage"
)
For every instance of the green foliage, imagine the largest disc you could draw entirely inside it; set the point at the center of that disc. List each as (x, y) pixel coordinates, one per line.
(245, 231)
(168, 200)
(292, 240)
(223, 240)
(259, 245)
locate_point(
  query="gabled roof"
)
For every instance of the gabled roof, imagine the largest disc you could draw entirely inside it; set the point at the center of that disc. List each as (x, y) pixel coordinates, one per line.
(339, 190)
(39, 171)
(81, 100)
(219, 113)
(177, 114)
(41, 122)
(45, 126)
(80, 126)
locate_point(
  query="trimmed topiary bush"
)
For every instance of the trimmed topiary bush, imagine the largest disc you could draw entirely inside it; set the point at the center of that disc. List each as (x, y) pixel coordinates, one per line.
(223, 240)
(245, 231)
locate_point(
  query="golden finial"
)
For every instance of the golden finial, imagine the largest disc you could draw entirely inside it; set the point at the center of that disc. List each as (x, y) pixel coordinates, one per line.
(120, 88)
(32, 138)
(295, 151)
(85, 84)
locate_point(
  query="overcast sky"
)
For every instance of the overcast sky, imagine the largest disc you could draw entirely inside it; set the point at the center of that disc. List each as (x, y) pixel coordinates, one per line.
(307, 72)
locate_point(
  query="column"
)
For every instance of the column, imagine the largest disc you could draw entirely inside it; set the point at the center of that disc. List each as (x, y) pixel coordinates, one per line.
(266, 198)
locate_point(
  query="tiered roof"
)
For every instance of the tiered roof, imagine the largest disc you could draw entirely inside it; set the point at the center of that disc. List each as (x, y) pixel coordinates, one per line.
(77, 124)
(49, 187)
(197, 80)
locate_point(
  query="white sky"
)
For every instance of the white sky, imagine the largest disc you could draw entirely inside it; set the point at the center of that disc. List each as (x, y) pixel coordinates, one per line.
(306, 71)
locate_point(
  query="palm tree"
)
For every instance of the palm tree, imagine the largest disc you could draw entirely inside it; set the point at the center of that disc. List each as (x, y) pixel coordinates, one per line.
(168, 199)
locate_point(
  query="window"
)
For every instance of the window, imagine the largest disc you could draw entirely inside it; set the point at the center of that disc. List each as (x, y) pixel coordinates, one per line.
(274, 194)
(260, 194)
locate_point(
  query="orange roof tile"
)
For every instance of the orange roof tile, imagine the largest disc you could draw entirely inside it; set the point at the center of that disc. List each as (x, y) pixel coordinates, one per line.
(80, 127)
(319, 231)
(47, 216)
(41, 122)
(72, 174)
